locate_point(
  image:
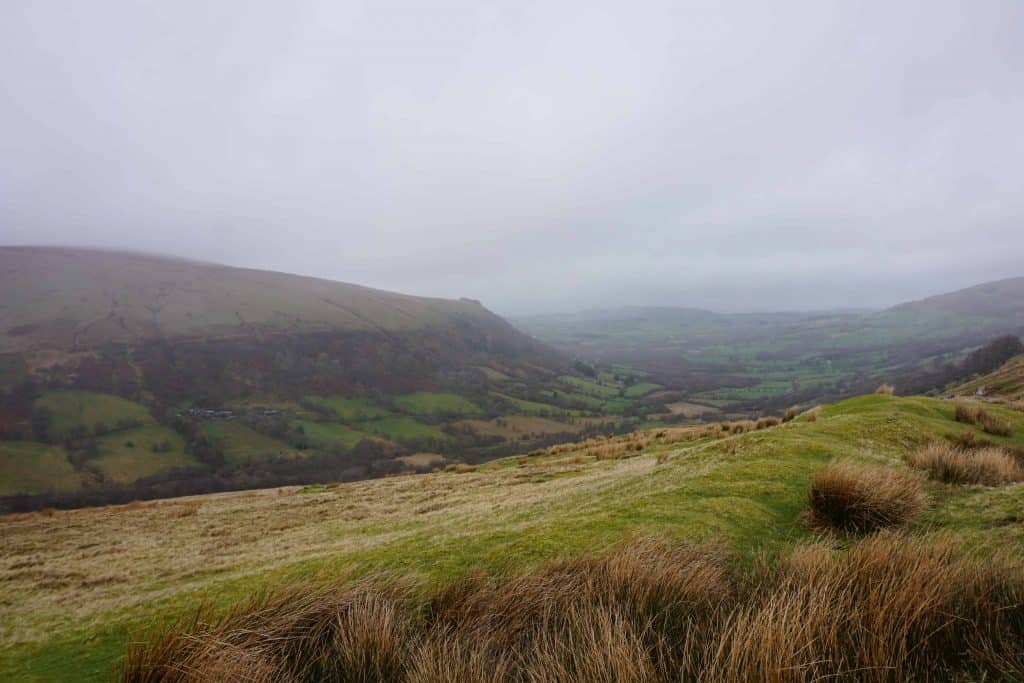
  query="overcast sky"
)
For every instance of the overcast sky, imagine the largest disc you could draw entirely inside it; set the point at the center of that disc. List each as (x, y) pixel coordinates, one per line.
(538, 156)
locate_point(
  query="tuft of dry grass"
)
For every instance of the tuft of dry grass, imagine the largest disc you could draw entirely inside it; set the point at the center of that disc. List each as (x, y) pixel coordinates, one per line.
(991, 424)
(459, 468)
(789, 415)
(947, 463)
(885, 389)
(811, 416)
(965, 413)
(859, 499)
(765, 422)
(891, 608)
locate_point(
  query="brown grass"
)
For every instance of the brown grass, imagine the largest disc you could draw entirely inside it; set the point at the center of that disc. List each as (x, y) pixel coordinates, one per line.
(858, 499)
(886, 389)
(947, 463)
(766, 422)
(991, 424)
(789, 415)
(965, 413)
(891, 608)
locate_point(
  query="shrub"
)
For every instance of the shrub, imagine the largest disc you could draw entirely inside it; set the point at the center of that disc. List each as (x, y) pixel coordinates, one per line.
(859, 499)
(946, 463)
(886, 389)
(789, 415)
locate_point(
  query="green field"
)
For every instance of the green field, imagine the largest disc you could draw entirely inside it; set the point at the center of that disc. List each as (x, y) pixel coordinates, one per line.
(641, 389)
(126, 455)
(70, 408)
(331, 433)
(534, 407)
(747, 490)
(589, 386)
(401, 428)
(348, 409)
(241, 443)
(30, 467)
(430, 403)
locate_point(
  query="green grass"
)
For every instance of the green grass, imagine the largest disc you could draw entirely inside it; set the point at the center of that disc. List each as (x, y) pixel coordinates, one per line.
(127, 455)
(641, 389)
(748, 490)
(31, 467)
(492, 374)
(525, 407)
(589, 386)
(72, 408)
(331, 433)
(241, 443)
(349, 409)
(430, 403)
(403, 428)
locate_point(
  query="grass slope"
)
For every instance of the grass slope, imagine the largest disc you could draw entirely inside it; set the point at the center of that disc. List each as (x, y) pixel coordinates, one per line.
(31, 467)
(63, 298)
(241, 443)
(430, 403)
(127, 455)
(748, 489)
(1005, 382)
(71, 408)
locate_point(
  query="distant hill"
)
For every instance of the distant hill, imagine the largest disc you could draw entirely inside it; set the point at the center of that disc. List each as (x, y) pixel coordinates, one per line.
(769, 360)
(127, 375)
(78, 299)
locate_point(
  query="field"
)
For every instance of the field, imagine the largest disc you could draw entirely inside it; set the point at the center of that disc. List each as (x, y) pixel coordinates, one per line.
(76, 586)
(429, 403)
(69, 409)
(331, 433)
(403, 428)
(348, 409)
(29, 467)
(240, 442)
(126, 455)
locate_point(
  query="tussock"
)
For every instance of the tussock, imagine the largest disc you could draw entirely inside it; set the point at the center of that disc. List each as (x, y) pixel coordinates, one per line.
(947, 463)
(891, 608)
(858, 499)
(886, 389)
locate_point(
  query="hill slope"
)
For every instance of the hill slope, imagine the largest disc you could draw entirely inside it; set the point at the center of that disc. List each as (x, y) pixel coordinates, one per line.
(132, 376)
(1005, 383)
(746, 489)
(77, 299)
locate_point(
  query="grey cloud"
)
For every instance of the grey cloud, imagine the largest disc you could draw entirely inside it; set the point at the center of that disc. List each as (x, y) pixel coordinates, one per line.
(538, 156)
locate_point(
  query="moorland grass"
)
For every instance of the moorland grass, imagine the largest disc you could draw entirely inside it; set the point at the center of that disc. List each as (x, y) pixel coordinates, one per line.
(946, 463)
(858, 499)
(891, 608)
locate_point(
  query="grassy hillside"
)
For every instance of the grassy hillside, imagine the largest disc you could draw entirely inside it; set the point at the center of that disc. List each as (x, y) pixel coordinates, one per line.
(74, 299)
(1006, 383)
(740, 485)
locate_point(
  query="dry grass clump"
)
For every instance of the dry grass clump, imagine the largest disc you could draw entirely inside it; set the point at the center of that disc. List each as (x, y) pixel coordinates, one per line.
(947, 463)
(988, 422)
(811, 416)
(789, 415)
(459, 468)
(991, 424)
(966, 413)
(764, 422)
(860, 499)
(885, 389)
(891, 608)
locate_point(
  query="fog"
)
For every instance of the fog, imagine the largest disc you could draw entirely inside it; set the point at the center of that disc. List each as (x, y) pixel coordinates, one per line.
(538, 156)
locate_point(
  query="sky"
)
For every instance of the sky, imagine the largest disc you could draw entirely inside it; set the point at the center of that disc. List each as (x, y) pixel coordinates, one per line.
(539, 156)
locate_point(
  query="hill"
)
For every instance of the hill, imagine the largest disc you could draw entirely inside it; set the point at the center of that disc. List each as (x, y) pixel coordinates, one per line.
(744, 488)
(141, 376)
(78, 299)
(767, 361)
(1006, 383)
